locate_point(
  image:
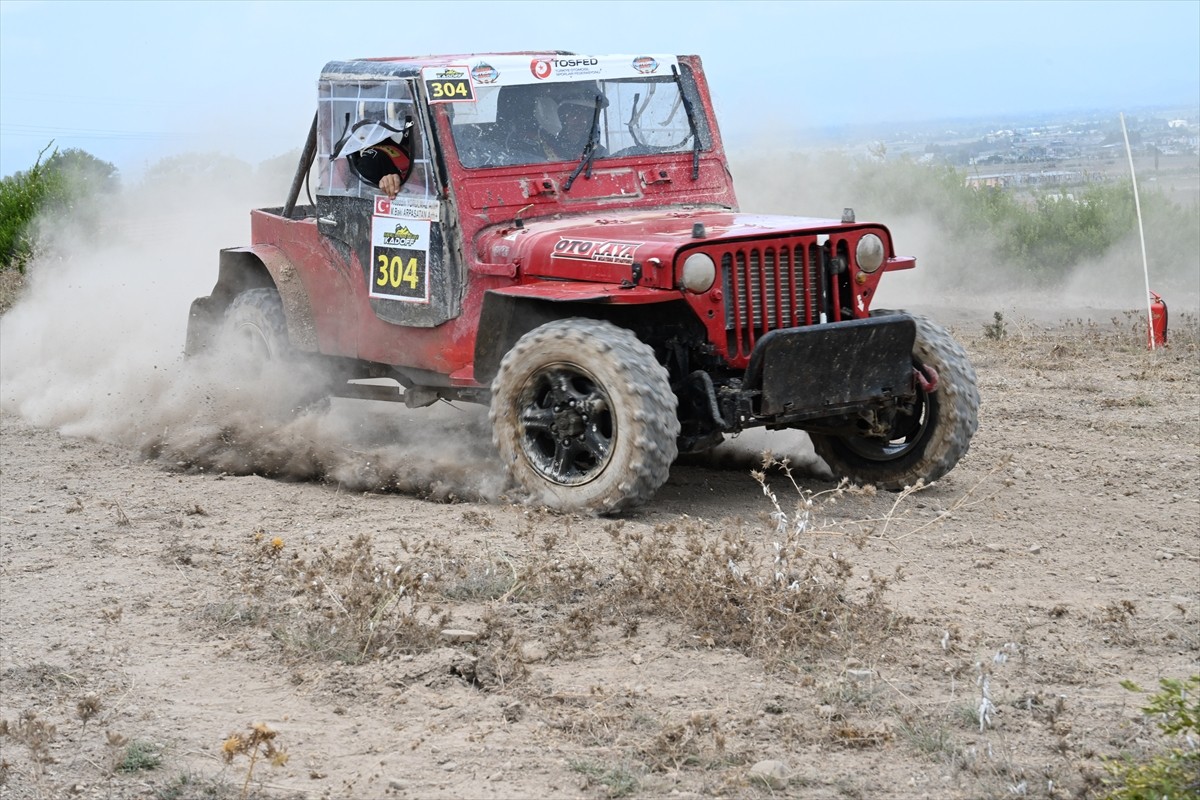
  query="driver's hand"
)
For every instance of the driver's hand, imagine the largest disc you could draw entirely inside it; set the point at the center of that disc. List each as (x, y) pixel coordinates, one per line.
(390, 184)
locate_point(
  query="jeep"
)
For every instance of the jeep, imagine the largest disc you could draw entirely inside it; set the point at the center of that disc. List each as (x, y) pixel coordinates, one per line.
(593, 282)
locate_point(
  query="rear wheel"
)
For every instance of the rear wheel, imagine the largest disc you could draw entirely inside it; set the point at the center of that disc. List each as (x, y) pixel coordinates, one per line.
(255, 323)
(584, 417)
(929, 440)
(255, 331)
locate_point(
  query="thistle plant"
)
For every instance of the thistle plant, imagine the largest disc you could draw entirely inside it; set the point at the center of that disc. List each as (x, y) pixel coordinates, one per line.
(258, 741)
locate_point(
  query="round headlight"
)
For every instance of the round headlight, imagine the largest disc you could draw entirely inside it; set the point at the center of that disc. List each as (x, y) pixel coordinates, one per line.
(869, 253)
(699, 272)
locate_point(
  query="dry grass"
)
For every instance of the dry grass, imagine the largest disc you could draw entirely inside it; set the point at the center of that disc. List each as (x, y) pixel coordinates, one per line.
(782, 596)
(37, 735)
(1123, 333)
(727, 588)
(347, 606)
(258, 741)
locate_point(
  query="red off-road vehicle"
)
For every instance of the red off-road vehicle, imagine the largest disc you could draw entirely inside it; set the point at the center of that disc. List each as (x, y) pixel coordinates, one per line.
(594, 281)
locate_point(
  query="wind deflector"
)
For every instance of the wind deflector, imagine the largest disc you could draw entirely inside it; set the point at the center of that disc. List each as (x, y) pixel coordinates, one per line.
(368, 70)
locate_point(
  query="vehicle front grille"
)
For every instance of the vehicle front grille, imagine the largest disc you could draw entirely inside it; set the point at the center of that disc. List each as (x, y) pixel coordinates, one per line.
(769, 286)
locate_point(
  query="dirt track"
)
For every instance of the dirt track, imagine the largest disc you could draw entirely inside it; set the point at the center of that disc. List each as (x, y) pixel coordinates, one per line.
(140, 569)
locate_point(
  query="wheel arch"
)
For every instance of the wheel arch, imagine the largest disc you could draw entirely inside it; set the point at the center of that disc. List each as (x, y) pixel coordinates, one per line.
(505, 318)
(241, 269)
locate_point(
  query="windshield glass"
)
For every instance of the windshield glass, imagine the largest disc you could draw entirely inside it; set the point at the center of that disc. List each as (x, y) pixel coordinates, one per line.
(635, 104)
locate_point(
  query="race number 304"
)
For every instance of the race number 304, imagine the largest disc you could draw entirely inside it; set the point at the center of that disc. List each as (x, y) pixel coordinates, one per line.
(449, 84)
(400, 275)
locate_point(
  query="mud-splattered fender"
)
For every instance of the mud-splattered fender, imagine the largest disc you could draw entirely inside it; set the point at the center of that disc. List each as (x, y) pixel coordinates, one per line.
(510, 313)
(243, 268)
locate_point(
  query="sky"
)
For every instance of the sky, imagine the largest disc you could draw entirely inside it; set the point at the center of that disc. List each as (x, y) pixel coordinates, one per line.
(133, 82)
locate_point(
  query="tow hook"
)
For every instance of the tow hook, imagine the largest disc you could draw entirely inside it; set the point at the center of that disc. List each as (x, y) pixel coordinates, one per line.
(926, 377)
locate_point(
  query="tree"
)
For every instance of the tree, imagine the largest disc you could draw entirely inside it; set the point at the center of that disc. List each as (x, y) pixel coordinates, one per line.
(83, 172)
(50, 185)
(23, 195)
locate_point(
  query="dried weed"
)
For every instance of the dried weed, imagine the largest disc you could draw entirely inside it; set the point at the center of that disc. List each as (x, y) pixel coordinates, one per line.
(347, 606)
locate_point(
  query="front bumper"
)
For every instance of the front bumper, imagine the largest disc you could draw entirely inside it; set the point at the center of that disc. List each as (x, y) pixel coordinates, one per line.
(830, 369)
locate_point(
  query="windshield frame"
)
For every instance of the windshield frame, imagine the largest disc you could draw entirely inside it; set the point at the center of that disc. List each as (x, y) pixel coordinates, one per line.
(624, 95)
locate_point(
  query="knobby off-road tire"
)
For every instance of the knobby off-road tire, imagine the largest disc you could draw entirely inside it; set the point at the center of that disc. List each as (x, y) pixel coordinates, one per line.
(584, 416)
(927, 445)
(255, 329)
(255, 323)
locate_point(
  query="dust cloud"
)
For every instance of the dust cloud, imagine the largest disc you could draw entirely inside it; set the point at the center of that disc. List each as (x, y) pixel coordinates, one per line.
(952, 273)
(94, 348)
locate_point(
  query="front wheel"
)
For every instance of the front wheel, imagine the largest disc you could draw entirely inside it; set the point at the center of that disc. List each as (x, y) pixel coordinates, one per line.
(584, 417)
(927, 441)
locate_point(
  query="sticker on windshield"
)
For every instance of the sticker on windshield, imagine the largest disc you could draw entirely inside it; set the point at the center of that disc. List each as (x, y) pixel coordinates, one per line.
(646, 65)
(443, 83)
(565, 67)
(449, 84)
(399, 259)
(484, 73)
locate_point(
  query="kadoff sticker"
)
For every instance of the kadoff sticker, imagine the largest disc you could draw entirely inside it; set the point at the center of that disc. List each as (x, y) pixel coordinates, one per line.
(400, 259)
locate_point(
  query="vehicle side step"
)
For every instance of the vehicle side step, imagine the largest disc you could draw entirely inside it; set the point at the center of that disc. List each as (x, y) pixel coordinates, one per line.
(361, 391)
(413, 397)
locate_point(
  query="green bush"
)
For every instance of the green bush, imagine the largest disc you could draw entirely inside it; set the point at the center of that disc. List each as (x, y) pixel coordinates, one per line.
(22, 196)
(140, 755)
(1045, 235)
(1060, 231)
(1175, 773)
(48, 185)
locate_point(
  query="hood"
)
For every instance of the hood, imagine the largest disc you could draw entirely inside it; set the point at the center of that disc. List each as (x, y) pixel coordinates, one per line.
(605, 247)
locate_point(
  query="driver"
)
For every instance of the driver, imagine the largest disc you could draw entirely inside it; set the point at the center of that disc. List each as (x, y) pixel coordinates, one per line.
(564, 124)
(378, 153)
(385, 165)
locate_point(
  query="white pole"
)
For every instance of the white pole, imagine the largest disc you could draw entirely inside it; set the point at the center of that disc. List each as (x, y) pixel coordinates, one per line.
(1137, 203)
